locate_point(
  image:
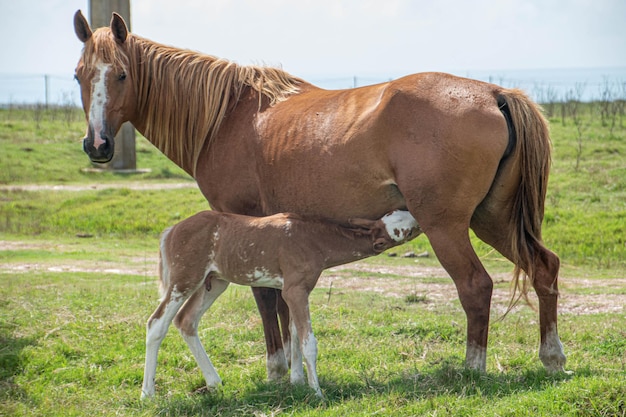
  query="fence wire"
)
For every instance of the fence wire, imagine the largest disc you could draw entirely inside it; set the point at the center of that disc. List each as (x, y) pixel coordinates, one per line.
(542, 85)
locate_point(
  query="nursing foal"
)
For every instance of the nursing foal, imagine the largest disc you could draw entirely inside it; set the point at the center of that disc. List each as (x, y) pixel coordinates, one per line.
(201, 255)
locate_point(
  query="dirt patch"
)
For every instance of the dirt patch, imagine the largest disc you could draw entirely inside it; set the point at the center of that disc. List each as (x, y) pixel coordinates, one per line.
(431, 284)
(102, 186)
(435, 286)
(6, 245)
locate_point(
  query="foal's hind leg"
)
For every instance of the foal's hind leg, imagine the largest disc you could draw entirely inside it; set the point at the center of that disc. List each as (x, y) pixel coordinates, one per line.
(187, 321)
(156, 329)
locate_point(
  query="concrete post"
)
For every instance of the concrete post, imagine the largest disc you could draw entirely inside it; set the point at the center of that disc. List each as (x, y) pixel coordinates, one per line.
(125, 158)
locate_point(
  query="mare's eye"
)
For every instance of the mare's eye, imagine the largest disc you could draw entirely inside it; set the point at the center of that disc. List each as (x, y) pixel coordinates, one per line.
(122, 76)
(76, 78)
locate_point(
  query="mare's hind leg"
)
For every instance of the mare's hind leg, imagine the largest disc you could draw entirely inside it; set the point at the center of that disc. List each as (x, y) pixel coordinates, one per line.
(546, 286)
(187, 321)
(474, 285)
(496, 233)
(156, 329)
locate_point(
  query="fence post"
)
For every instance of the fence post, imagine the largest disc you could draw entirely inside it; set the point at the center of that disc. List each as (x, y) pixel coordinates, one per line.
(47, 89)
(124, 158)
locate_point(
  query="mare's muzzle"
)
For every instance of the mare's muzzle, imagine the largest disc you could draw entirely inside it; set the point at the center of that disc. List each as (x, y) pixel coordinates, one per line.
(101, 154)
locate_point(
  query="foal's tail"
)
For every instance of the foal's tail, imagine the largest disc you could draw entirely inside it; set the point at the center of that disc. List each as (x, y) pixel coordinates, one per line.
(533, 153)
(164, 271)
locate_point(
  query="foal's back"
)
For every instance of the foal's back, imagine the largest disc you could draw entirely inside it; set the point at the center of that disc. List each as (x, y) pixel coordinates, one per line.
(255, 251)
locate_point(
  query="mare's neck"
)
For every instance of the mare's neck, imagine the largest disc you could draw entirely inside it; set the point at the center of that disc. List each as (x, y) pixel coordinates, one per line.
(181, 98)
(184, 96)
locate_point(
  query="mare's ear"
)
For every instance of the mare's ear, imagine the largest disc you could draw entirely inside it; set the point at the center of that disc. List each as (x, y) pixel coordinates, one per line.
(118, 28)
(81, 27)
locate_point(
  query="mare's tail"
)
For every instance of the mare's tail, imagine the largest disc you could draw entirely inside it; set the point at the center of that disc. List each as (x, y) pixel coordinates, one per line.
(533, 153)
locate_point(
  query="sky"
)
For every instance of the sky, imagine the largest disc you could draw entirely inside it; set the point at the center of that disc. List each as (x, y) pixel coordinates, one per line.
(321, 38)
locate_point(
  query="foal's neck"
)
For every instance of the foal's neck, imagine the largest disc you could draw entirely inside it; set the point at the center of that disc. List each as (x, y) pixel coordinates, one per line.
(339, 245)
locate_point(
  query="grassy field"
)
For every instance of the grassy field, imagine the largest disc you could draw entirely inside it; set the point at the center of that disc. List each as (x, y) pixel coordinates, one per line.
(77, 282)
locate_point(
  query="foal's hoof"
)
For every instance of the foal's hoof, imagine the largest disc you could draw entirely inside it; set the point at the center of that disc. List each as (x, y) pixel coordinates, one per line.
(206, 390)
(319, 394)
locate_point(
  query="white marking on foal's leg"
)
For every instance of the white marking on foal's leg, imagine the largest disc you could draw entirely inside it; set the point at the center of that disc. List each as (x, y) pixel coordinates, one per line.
(551, 351)
(200, 302)
(476, 357)
(297, 370)
(206, 366)
(154, 336)
(309, 351)
(156, 329)
(98, 102)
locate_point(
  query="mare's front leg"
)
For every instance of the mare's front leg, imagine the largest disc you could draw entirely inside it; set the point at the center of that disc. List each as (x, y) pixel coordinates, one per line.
(266, 300)
(303, 339)
(187, 321)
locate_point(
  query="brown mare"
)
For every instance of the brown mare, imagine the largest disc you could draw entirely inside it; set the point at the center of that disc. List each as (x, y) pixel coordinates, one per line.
(457, 153)
(285, 251)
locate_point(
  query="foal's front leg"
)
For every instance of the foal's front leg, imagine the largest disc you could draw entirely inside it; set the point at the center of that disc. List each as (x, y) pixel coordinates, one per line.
(302, 337)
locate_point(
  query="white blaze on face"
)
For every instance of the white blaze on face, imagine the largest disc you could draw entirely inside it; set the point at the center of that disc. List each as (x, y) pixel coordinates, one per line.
(399, 224)
(98, 102)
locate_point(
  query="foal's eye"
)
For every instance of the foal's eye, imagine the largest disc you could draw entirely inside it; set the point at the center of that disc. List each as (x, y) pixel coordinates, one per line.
(76, 78)
(122, 76)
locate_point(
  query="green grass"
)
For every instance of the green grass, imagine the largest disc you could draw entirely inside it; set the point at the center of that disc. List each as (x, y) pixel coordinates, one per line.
(72, 330)
(108, 212)
(74, 341)
(49, 150)
(585, 220)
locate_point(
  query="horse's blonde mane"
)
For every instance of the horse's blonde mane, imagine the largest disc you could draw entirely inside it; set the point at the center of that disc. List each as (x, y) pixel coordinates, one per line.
(183, 95)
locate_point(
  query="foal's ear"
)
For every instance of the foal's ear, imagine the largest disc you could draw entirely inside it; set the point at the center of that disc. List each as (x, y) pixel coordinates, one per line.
(118, 28)
(362, 223)
(380, 245)
(81, 27)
